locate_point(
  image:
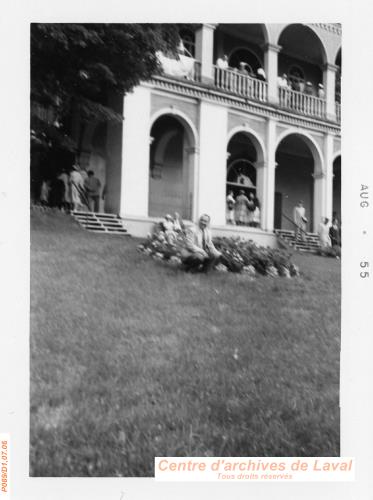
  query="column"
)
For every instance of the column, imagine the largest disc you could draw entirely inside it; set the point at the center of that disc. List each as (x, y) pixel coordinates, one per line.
(135, 155)
(205, 51)
(266, 178)
(212, 162)
(190, 179)
(318, 199)
(271, 70)
(330, 71)
(328, 166)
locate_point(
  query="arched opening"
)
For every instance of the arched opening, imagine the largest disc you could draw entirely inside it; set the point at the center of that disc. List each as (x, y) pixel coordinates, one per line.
(298, 176)
(338, 77)
(337, 188)
(243, 155)
(302, 48)
(246, 56)
(242, 43)
(171, 167)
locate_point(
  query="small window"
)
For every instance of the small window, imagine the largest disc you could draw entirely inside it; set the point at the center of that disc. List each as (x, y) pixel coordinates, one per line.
(188, 42)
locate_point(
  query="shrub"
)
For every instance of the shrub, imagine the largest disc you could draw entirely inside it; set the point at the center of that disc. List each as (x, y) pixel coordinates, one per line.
(237, 255)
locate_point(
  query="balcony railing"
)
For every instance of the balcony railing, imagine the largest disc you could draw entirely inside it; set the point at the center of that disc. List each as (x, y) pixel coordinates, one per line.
(338, 111)
(240, 84)
(302, 103)
(185, 67)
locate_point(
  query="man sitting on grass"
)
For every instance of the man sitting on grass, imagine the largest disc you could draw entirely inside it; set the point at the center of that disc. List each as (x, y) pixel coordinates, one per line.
(200, 253)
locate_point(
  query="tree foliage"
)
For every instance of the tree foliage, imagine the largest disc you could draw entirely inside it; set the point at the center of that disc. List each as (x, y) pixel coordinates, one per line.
(75, 67)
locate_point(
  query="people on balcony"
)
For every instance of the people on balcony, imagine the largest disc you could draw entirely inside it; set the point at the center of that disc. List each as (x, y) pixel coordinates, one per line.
(222, 62)
(321, 91)
(309, 89)
(242, 69)
(283, 82)
(260, 74)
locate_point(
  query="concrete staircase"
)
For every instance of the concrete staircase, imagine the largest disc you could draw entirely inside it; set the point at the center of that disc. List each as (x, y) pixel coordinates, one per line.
(100, 223)
(288, 237)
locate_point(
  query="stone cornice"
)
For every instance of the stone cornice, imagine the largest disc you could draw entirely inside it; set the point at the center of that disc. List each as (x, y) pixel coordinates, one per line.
(332, 27)
(197, 91)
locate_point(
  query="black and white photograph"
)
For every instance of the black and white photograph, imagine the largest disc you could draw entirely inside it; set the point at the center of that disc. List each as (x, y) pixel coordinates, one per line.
(186, 238)
(186, 263)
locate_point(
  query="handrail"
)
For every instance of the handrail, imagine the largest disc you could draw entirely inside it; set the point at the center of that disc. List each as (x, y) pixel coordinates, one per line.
(294, 224)
(82, 194)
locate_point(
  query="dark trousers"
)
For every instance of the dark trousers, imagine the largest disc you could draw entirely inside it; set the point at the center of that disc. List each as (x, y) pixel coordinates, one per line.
(94, 202)
(197, 263)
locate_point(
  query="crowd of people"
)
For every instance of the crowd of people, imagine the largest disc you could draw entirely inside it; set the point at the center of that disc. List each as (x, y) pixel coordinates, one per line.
(284, 82)
(307, 88)
(74, 189)
(243, 210)
(329, 234)
(243, 68)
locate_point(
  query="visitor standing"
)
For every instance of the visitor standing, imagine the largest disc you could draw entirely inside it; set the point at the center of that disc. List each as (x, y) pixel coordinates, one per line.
(334, 233)
(77, 187)
(230, 208)
(251, 209)
(300, 220)
(44, 193)
(323, 233)
(66, 201)
(92, 186)
(241, 208)
(256, 215)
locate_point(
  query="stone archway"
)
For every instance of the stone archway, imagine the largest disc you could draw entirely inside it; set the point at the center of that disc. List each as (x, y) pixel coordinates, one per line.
(245, 162)
(299, 176)
(171, 166)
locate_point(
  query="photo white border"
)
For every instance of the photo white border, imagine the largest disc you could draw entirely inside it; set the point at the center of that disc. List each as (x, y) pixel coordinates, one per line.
(357, 311)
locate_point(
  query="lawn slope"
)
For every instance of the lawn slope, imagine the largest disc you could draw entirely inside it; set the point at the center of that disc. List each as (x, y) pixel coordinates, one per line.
(132, 359)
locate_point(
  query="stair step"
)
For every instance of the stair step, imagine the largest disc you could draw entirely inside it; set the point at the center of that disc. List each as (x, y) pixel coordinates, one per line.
(100, 223)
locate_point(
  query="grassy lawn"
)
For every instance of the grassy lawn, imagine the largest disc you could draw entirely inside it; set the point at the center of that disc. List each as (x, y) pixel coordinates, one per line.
(132, 359)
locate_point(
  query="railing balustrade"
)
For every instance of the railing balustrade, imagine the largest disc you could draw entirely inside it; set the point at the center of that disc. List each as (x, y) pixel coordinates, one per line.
(240, 84)
(302, 103)
(246, 86)
(338, 111)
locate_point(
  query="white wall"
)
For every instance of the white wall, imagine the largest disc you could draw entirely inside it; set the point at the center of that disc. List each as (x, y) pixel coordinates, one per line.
(212, 162)
(135, 156)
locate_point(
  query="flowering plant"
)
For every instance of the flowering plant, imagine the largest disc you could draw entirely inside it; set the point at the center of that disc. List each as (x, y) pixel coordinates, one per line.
(237, 255)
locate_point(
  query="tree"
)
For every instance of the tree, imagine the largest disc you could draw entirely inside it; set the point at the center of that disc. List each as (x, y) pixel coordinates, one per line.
(76, 67)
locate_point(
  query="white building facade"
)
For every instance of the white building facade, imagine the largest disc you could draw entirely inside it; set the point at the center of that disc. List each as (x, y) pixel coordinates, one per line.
(207, 127)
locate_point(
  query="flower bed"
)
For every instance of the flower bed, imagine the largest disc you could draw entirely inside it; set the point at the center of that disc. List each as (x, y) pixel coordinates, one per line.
(238, 255)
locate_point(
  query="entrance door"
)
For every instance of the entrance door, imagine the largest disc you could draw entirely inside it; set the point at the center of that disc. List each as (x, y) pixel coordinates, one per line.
(278, 210)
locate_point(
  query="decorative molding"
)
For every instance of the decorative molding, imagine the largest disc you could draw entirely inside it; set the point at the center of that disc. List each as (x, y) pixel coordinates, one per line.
(197, 91)
(272, 46)
(319, 175)
(330, 67)
(332, 27)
